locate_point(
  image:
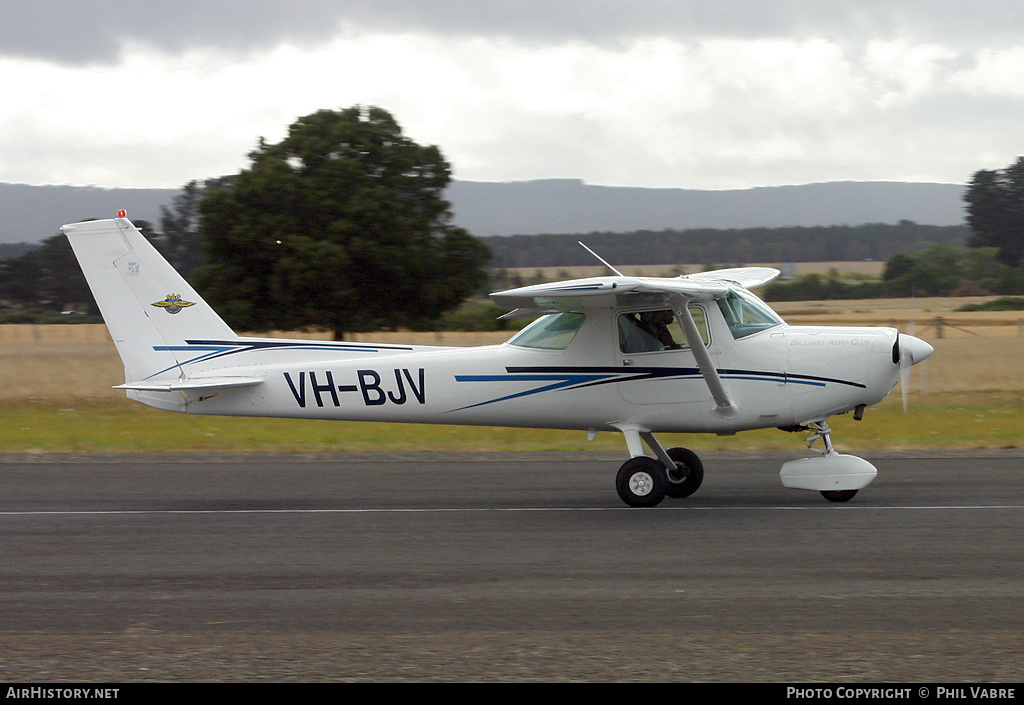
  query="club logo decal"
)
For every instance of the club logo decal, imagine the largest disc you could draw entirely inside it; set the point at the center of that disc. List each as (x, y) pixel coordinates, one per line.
(173, 303)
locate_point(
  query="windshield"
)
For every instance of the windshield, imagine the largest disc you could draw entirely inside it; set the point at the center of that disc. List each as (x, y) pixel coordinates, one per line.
(746, 314)
(552, 332)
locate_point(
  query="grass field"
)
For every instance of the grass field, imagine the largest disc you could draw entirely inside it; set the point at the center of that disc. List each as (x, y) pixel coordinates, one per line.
(946, 420)
(56, 396)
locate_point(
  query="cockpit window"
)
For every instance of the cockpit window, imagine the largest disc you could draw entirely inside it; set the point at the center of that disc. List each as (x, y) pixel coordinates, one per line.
(652, 331)
(746, 314)
(552, 332)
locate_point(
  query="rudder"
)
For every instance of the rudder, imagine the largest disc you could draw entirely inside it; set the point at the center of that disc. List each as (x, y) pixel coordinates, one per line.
(150, 310)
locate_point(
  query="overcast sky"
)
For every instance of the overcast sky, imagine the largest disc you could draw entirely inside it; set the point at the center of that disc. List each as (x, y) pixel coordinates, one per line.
(668, 93)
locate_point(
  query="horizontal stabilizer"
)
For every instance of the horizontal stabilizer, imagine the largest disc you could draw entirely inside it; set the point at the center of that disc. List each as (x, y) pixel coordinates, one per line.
(184, 385)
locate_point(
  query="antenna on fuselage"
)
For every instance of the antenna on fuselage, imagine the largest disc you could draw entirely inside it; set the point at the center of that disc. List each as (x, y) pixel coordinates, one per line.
(600, 259)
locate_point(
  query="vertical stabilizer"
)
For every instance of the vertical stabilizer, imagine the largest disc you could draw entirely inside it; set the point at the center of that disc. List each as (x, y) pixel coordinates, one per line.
(150, 310)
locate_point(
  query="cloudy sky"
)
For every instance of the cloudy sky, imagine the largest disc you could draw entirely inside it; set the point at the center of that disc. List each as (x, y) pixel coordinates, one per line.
(710, 94)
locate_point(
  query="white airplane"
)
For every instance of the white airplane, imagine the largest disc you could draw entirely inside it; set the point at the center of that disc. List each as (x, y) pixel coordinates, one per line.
(636, 355)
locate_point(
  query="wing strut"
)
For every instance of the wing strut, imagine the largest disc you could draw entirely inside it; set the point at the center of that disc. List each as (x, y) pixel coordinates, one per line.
(725, 407)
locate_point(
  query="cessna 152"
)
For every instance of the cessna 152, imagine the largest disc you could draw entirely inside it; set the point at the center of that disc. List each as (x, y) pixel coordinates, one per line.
(636, 355)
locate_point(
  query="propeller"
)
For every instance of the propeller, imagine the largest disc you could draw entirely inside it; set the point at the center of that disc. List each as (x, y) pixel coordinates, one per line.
(908, 352)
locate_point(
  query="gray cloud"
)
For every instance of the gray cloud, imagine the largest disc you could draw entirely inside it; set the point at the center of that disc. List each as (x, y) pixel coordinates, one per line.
(864, 89)
(73, 32)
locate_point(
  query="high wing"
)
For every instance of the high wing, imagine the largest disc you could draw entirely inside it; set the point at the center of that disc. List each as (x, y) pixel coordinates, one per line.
(678, 292)
(605, 292)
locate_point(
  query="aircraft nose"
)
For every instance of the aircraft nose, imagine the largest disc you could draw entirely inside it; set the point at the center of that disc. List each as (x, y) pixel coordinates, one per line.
(913, 350)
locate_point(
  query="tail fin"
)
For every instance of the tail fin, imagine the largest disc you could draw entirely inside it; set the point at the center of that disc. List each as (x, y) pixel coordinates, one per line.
(150, 310)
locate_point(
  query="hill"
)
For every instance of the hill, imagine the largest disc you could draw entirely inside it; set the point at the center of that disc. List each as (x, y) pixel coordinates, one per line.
(33, 213)
(571, 206)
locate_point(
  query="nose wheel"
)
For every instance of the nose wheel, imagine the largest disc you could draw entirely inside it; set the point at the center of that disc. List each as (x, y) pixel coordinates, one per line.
(838, 495)
(836, 476)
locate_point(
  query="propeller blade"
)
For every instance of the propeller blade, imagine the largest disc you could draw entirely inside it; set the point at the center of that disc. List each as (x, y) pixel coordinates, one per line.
(911, 351)
(905, 367)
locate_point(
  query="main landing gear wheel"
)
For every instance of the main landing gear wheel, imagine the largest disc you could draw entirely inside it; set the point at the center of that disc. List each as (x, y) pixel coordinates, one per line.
(687, 476)
(838, 495)
(641, 482)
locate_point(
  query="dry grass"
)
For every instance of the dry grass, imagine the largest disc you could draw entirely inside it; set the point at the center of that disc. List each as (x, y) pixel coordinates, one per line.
(978, 351)
(917, 316)
(80, 362)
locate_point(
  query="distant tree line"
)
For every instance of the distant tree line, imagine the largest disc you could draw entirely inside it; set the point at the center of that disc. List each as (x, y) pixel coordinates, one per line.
(10, 251)
(40, 284)
(45, 284)
(837, 243)
(939, 270)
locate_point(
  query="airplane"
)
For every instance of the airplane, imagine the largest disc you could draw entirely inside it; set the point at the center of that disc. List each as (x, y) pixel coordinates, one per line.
(698, 353)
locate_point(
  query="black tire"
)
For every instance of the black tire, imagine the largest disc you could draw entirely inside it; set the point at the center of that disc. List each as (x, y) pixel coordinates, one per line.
(838, 495)
(688, 475)
(641, 482)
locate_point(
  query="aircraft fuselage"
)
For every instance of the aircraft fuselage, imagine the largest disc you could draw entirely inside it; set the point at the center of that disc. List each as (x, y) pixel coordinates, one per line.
(783, 376)
(637, 355)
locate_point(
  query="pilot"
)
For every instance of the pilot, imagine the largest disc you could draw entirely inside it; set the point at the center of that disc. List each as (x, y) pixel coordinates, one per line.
(656, 323)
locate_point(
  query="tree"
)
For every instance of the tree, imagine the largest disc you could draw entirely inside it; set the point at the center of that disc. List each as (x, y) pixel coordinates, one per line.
(181, 235)
(995, 211)
(947, 270)
(341, 224)
(899, 266)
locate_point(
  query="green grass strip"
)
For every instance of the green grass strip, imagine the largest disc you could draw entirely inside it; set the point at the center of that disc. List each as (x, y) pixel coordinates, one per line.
(952, 420)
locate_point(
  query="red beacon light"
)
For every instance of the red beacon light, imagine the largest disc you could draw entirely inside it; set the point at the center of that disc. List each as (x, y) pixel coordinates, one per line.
(122, 214)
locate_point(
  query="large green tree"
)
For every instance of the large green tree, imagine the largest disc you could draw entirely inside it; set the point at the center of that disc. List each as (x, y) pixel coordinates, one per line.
(995, 211)
(342, 224)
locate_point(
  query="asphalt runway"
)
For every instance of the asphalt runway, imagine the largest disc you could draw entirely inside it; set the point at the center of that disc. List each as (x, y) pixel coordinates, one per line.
(523, 567)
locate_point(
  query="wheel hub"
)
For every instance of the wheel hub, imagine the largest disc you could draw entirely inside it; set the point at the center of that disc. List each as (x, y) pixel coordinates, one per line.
(679, 473)
(641, 483)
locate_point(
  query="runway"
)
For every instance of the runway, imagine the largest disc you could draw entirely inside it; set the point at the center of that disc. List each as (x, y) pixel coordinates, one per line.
(470, 567)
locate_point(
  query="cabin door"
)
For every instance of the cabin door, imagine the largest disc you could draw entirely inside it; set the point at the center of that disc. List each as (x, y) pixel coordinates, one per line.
(652, 346)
